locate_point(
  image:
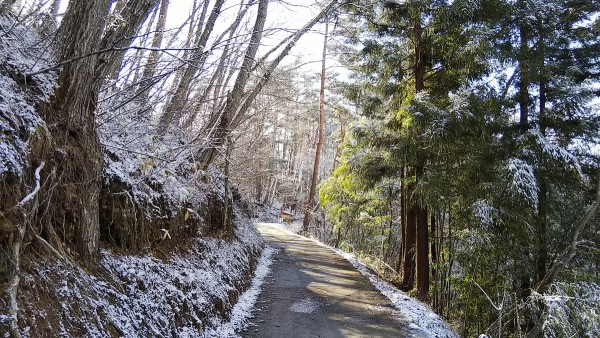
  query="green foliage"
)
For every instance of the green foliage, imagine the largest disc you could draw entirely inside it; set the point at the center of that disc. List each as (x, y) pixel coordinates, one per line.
(505, 194)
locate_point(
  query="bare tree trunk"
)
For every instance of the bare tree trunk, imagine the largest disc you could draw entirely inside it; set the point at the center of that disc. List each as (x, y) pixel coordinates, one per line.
(237, 105)
(217, 80)
(524, 82)
(179, 98)
(422, 263)
(71, 115)
(153, 58)
(338, 150)
(400, 262)
(235, 96)
(315, 176)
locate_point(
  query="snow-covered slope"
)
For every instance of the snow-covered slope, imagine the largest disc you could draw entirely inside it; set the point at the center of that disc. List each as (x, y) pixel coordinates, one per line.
(163, 271)
(183, 294)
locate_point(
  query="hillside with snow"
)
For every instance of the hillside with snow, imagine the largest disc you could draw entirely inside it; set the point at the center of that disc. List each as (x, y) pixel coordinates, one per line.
(164, 268)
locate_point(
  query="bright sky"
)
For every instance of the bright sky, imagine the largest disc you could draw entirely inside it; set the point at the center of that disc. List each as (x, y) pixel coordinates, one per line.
(283, 16)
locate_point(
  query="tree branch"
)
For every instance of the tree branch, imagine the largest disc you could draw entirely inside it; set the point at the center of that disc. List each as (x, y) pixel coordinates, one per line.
(35, 190)
(570, 252)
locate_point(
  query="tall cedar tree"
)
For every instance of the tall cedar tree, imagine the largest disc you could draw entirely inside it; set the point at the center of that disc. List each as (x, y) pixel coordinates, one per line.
(403, 60)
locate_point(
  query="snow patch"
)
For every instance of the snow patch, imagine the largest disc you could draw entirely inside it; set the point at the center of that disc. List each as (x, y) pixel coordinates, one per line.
(242, 311)
(147, 296)
(304, 306)
(422, 318)
(523, 180)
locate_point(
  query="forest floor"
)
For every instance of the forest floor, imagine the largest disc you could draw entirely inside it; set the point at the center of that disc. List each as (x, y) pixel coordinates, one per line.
(313, 292)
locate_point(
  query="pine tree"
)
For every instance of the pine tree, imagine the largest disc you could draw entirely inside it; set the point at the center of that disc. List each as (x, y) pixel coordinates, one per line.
(482, 111)
(404, 63)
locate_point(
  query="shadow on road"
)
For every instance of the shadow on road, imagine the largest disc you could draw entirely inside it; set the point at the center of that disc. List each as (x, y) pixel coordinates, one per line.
(312, 292)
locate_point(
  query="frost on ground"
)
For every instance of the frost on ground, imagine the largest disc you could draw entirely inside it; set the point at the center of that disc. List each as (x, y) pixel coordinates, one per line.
(307, 305)
(423, 321)
(242, 311)
(22, 131)
(183, 295)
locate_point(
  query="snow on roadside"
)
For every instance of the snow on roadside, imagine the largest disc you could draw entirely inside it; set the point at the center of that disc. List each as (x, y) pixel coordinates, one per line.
(423, 319)
(181, 295)
(424, 322)
(242, 311)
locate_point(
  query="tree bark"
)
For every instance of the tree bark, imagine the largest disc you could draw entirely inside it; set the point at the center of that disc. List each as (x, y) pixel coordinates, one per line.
(422, 261)
(408, 269)
(434, 243)
(315, 175)
(542, 221)
(400, 262)
(524, 80)
(74, 104)
(72, 119)
(422, 231)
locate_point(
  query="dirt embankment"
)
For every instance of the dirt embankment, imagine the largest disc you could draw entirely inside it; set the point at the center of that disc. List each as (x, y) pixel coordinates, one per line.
(166, 266)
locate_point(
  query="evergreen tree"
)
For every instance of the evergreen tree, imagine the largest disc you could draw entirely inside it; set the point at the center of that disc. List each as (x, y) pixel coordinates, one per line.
(482, 111)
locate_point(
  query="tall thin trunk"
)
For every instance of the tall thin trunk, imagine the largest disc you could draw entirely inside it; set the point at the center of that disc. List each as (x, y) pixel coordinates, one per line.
(434, 258)
(542, 221)
(217, 81)
(338, 149)
(400, 262)
(524, 82)
(198, 57)
(153, 58)
(238, 102)
(422, 231)
(422, 261)
(235, 96)
(315, 176)
(410, 238)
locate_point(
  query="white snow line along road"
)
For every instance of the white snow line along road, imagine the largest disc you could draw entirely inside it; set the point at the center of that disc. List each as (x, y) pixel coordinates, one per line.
(242, 310)
(425, 322)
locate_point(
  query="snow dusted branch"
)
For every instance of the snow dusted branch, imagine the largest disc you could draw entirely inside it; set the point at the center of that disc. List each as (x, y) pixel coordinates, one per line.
(570, 252)
(52, 249)
(136, 152)
(35, 190)
(104, 51)
(497, 307)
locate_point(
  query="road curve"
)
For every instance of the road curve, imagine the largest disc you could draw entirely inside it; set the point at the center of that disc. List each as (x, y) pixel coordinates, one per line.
(313, 292)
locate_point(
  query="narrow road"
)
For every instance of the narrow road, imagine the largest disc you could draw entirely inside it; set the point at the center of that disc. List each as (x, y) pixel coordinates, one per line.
(312, 292)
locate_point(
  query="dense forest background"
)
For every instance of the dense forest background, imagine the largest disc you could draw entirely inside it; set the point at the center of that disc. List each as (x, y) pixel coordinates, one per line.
(454, 143)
